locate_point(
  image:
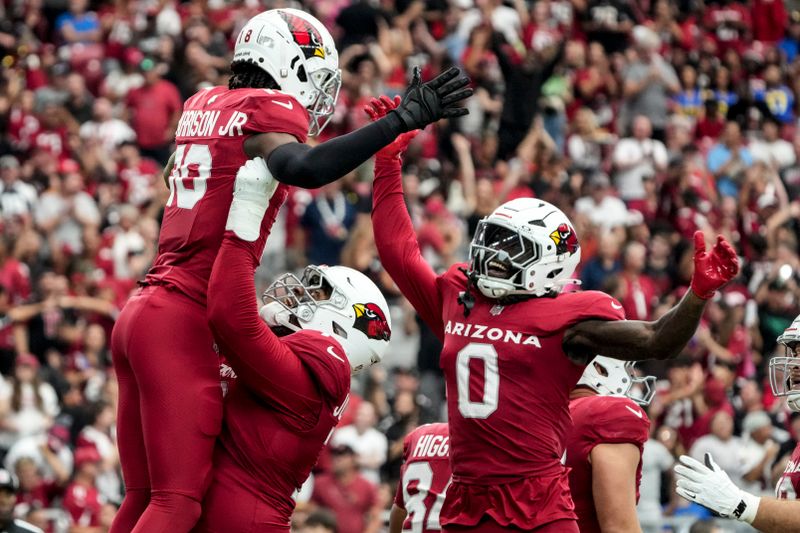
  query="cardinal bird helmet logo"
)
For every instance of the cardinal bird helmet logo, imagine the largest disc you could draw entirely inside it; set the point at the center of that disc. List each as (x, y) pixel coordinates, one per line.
(371, 321)
(565, 239)
(305, 35)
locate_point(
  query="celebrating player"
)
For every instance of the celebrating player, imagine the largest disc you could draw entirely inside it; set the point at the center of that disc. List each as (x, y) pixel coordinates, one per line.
(284, 86)
(424, 478)
(709, 485)
(514, 346)
(292, 381)
(604, 450)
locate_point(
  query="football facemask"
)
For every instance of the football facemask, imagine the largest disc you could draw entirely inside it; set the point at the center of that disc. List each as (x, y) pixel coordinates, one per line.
(784, 372)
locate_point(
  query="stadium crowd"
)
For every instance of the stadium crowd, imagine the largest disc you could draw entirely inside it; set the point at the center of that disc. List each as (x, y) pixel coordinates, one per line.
(642, 120)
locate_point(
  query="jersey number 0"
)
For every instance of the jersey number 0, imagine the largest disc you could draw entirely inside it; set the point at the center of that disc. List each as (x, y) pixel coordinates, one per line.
(491, 380)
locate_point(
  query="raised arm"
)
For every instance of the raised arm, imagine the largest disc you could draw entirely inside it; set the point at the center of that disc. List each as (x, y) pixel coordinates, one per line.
(298, 164)
(664, 338)
(263, 363)
(395, 237)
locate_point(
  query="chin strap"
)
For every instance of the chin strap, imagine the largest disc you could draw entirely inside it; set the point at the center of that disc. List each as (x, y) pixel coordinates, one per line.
(564, 282)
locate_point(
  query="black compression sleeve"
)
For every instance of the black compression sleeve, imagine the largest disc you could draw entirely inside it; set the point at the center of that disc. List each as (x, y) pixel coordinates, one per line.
(303, 166)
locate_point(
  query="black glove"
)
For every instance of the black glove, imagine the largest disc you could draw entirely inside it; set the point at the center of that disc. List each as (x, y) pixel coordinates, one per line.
(425, 103)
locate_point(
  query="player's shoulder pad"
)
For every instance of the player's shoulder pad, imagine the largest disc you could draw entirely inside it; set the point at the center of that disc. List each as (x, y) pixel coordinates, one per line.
(409, 442)
(25, 526)
(267, 110)
(437, 428)
(619, 419)
(201, 96)
(325, 359)
(588, 305)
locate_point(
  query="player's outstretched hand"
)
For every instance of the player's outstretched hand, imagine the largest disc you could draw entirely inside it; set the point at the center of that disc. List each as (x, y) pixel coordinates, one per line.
(378, 108)
(712, 269)
(252, 191)
(709, 485)
(425, 103)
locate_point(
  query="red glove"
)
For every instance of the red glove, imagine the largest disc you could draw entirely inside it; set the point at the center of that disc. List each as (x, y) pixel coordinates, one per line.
(712, 269)
(376, 109)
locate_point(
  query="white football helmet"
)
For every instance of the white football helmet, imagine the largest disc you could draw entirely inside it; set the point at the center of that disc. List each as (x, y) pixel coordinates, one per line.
(526, 246)
(784, 372)
(612, 377)
(300, 55)
(338, 301)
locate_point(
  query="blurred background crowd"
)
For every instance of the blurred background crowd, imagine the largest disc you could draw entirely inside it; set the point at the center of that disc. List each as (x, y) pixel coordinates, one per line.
(644, 120)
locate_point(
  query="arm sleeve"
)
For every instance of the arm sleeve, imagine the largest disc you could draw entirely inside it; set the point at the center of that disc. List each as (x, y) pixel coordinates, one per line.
(303, 166)
(259, 358)
(398, 247)
(551, 66)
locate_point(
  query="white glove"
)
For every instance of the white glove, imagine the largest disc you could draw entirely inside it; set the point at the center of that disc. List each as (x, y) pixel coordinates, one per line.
(252, 191)
(711, 487)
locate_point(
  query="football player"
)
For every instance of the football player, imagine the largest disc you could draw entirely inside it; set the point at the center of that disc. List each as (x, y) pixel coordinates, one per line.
(424, 478)
(292, 366)
(709, 485)
(515, 346)
(604, 450)
(284, 86)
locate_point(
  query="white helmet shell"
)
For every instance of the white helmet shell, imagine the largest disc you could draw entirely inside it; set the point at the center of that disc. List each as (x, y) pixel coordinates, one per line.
(526, 246)
(612, 377)
(784, 371)
(299, 53)
(355, 312)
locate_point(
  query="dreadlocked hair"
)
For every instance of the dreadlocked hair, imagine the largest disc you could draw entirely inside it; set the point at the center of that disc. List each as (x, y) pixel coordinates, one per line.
(248, 75)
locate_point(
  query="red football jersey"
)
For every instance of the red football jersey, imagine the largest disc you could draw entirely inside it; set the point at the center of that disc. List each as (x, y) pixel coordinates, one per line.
(272, 438)
(210, 150)
(424, 477)
(508, 385)
(600, 420)
(508, 378)
(788, 486)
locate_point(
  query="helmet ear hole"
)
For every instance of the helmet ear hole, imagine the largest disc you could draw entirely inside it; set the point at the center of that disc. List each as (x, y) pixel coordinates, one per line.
(339, 330)
(301, 74)
(554, 273)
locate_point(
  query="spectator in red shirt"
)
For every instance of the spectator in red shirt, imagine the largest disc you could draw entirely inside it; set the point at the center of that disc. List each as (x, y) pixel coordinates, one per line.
(639, 290)
(769, 20)
(139, 176)
(15, 276)
(729, 21)
(34, 491)
(155, 109)
(82, 499)
(351, 497)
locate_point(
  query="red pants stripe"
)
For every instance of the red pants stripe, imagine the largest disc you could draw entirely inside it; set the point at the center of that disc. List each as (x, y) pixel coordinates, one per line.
(170, 410)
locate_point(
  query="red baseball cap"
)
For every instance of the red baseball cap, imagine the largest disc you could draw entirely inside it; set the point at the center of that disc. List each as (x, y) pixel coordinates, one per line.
(86, 454)
(67, 166)
(27, 359)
